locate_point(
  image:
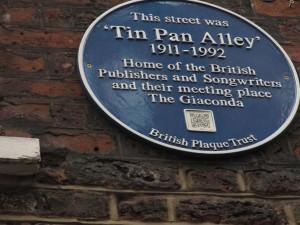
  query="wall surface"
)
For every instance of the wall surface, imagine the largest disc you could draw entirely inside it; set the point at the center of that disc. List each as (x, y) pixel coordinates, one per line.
(93, 173)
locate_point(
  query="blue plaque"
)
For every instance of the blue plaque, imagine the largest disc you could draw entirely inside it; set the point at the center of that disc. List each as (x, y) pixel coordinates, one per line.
(188, 76)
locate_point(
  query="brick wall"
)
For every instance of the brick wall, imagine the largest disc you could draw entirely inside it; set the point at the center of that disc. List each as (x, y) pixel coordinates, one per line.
(92, 173)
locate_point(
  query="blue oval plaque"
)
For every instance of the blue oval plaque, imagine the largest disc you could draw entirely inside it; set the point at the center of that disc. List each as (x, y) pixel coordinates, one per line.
(189, 76)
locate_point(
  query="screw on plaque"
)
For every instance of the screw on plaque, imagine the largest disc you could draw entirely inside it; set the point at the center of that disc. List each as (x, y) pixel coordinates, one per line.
(89, 65)
(286, 77)
(291, 2)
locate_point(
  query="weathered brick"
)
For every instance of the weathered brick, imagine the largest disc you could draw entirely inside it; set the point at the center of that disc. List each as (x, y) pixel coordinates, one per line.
(9, 14)
(69, 116)
(281, 182)
(62, 65)
(229, 212)
(58, 17)
(213, 181)
(94, 170)
(54, 203)
(10, 59)
(126, 175)
(37, 38)
(276, 8)
(143, 208)
(102, 144)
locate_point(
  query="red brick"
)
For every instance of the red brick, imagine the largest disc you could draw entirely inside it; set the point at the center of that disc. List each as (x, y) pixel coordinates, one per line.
(297, 152)
(24, 15)
(18, 87)
(36, 38)
(293, 52)
(29, 111)
(10, 60)
(57, 89)
(277, 8)
(15, 133)
(83, 143)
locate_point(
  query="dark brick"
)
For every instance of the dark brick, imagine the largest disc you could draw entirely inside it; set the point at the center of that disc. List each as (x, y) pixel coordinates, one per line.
(143, 208)
(76, 204)
(54, 203)
(69, 116)
(213, 181)
(93, 170)
(24, 120)
(281, 182)
(229, 212)
(34, 112)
